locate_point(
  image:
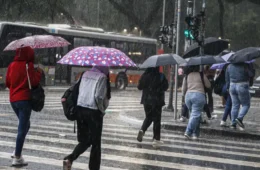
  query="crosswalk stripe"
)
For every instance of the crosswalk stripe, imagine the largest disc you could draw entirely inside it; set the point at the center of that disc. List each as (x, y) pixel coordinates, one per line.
(114, 157)
(147, 151)
(54, 162)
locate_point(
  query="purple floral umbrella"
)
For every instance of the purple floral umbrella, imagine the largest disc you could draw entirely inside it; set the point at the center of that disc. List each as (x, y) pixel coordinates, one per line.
(97, 56)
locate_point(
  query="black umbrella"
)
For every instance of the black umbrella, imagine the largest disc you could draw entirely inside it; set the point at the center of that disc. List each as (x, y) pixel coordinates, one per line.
(162, 60)
(246, 54)
(203, 60)
(212, 46)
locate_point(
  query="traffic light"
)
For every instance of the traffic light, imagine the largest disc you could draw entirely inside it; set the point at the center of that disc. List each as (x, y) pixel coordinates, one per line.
(188, 34)
(193, 27)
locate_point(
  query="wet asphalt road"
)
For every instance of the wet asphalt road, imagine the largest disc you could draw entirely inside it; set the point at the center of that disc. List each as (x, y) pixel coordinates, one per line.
(51, 138)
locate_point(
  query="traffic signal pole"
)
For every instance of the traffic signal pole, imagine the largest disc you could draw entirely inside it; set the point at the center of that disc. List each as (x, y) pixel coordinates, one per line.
(170, 108)
(202, 30)
(177, 52)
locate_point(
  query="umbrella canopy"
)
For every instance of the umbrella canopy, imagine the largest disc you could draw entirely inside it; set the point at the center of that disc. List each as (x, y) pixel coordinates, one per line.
(97, 56)
(203, 60)
(246, 54)
(37, 41)
(212, 46)
(162, 60)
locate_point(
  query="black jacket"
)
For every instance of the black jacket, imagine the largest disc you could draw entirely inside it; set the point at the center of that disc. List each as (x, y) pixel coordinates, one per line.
(154, 85)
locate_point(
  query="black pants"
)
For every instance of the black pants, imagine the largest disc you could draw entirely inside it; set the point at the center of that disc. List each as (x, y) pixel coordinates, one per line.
(210, 100)
(153, 114)
(90, 123)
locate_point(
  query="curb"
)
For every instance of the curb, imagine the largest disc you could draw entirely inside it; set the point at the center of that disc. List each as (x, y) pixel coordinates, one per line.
(215, 132)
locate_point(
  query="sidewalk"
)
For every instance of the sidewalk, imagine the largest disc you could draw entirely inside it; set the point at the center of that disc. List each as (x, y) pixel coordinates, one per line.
(212, 127)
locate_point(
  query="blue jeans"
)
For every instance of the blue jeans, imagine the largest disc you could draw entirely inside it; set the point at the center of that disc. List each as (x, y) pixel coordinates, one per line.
(23, 111)
(195, 102)
(240, 95)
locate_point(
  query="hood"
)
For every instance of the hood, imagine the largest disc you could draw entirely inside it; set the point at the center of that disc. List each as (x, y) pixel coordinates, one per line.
(24, 54)
(102, 69)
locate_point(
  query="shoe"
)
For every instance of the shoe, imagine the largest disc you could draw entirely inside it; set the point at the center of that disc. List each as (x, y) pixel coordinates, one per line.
(240, 123)
(187, 136)
(157, 143)
(13, 154)
(233, 126)
(67, 165)
(223, 123)
(183, 119)
(241, 129)
(213, 117)
(194, 137)
(140, 136)
(19, 162)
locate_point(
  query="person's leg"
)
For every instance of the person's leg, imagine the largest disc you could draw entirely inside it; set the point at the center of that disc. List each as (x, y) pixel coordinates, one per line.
(188, 101)
(244, 98)
(24, 113)
(235, 103)
(227, 108)
(83, 135)
(95, 124)
(198, 101)
(210, 101)
(157, 113)
(148, 117)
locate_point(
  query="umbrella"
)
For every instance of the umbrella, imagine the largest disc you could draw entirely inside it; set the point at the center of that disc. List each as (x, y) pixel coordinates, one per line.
(245, 54)
(96, 56)
(203, 60)
(212, 46)
(162, 60)
(38, 41)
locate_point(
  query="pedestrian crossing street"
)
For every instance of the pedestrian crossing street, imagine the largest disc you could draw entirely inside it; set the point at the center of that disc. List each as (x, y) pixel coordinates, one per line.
(49, 141)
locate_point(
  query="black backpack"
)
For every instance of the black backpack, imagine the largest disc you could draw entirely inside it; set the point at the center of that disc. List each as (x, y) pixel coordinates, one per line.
(69, 101)
(37, 98)
(219, 83)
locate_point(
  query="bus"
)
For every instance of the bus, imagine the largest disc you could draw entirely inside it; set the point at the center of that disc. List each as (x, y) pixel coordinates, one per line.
(137, 48)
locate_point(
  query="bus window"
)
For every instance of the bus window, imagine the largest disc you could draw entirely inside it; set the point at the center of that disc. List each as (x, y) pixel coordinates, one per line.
(101, 43)
(113, 44)
(82, 42)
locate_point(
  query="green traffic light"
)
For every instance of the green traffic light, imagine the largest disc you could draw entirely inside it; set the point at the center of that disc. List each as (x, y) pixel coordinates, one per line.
(188, 34)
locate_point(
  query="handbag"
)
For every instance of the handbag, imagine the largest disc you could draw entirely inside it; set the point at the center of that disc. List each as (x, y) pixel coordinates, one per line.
(37, 94)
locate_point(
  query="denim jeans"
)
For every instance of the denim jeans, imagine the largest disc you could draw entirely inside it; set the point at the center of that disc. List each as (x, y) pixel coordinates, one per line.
(240, 95)
(23, 111)
(195, 102)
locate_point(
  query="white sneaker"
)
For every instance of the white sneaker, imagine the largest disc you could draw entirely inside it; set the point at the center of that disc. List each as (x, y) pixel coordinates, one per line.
(13, 154)
(241, 129)
(67, 165)
(19, 162)
(213, 117)
(223, 123)
(183, 119)
(194, 137)
(157, 143)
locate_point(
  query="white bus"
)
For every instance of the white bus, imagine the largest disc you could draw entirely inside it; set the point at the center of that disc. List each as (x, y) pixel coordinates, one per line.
(137, 48)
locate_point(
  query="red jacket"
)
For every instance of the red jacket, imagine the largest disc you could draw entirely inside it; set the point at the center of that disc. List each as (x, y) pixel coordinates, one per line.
(16, 77)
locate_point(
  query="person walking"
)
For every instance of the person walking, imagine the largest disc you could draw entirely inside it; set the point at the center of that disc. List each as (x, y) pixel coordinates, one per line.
(20, 96)
(153, 84)
(210, 75)
(237, 79)
(194, 86)
(93, 100)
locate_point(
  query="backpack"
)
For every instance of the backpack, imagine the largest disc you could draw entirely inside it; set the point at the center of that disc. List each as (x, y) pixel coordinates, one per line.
(69, 101)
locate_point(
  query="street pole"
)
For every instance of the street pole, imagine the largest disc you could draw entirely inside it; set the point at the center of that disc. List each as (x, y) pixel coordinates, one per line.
(194, 7)
(163, 18)
(177, 52)
(170, 108)
(202, 30)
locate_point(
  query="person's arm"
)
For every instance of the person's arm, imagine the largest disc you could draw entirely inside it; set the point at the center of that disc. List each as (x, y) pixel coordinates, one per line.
(35, 76)
(207, 82)
(141, 83)
(165, 83)
(227, 78)
(7, 78)
(101, 94)
(184, 85)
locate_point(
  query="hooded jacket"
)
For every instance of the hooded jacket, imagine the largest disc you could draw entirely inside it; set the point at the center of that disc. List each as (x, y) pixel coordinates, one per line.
(16, 77)
(154, 84)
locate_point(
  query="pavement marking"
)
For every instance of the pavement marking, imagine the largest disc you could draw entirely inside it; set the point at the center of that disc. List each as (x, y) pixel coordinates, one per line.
(183, 141)
(54, 162)
(117, 158)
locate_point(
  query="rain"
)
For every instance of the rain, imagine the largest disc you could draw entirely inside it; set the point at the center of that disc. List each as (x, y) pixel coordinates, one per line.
(129, 85)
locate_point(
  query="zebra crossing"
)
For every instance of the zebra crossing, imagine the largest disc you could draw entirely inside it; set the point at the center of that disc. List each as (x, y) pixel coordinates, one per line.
(48, 143)
(51, 138)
